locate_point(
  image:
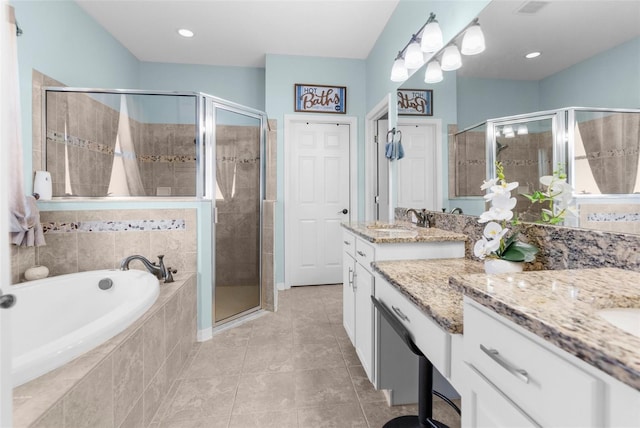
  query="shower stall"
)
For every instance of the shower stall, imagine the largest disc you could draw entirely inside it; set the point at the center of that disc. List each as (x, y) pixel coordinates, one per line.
(177, 146)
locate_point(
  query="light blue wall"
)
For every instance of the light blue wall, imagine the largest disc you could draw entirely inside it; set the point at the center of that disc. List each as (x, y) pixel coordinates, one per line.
(242, 85)
(282, 72)
(482, 99)
(63, 42)
(408, 17)
(610, 79)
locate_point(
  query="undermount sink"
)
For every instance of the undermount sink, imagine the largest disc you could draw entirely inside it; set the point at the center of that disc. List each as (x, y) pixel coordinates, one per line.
(627, 319)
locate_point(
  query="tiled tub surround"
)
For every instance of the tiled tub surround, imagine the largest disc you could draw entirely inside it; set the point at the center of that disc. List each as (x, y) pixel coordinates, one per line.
(79, 241)
(122, 382)
(560, 247)
(560, 307)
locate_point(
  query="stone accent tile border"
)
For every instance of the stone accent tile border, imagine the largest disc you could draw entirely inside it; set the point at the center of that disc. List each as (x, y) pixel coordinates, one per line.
(114, 226)
(105, 149)
(613, 217)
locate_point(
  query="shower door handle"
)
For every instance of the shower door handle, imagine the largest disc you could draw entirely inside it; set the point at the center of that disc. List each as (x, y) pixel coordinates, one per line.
(7, 300)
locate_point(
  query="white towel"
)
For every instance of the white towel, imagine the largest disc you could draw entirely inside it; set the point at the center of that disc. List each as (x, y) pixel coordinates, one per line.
(26, 229)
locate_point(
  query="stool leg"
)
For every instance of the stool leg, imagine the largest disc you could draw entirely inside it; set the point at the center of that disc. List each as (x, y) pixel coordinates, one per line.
(425, 386)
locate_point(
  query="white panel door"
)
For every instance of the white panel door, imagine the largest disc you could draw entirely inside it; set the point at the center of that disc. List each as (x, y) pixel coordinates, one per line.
(382, 173)
(318, 183)
(417, 171)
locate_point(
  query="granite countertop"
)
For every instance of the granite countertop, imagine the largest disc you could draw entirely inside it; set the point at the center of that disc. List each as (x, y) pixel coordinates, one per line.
(560, 306)
(426, 284)
(400, 232)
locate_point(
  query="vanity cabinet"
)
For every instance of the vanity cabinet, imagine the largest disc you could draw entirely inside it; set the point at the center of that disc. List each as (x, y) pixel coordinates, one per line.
(516, 379)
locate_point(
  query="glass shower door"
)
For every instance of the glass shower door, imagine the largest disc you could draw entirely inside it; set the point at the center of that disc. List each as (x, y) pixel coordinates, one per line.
(238, 172)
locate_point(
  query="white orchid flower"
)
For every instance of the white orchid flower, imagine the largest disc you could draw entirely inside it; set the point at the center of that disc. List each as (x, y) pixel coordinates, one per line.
(494, 231)
(484, 247)
(504, 202)
(488, 184)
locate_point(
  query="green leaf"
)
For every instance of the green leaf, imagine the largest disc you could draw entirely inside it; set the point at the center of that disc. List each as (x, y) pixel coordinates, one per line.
(519, 252)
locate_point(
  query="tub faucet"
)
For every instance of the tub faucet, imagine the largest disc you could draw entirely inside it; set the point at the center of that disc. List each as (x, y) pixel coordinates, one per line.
(159, 270)
(422, 216)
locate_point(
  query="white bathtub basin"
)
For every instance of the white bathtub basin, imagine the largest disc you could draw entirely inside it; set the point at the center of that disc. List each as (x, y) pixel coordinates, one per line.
(627, 319)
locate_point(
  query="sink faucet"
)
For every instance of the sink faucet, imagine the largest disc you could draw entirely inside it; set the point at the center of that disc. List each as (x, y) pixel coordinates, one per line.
(456, 210)
(159, 270)
(422, 216)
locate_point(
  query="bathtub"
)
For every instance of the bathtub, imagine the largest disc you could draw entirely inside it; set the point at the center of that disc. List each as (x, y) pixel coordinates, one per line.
(59, 318)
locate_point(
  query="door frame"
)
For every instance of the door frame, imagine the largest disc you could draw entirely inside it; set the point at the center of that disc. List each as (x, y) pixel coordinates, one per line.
(438, 179)
(289, 120)
(380, 110)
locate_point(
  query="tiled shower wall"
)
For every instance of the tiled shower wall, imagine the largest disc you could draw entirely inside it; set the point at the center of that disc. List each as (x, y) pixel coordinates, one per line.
(165, 152)
(79, 241)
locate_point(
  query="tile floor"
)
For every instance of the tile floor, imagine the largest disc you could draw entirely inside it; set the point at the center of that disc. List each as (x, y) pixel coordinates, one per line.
(294, 368)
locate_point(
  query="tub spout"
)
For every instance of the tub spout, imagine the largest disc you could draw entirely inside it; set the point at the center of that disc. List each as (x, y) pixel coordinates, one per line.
(159, 269)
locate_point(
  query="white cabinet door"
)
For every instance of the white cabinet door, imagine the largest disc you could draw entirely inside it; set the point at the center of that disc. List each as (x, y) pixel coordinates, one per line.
(485, 406)
(363, 283)
(348, 296)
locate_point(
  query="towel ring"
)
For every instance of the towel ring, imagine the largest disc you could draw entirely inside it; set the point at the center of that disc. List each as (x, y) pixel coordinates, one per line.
(394, 134)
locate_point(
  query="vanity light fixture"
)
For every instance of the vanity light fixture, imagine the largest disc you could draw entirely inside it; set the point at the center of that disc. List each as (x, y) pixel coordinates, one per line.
(439, 57)
(532, 55)
(433, 73)
(451, 59)
(473, 40)
(185, 33)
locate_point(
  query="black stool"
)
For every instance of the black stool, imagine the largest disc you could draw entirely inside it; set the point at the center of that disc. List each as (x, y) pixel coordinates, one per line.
(424, 419)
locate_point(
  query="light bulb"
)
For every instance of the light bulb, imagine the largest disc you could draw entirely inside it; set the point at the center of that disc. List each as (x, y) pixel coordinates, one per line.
(431, 37)
(522, 130)
(185, 33)
(473, 41)
(508, 131)
(399, 72)
(451, 59)
(413, 57)
(433, 73)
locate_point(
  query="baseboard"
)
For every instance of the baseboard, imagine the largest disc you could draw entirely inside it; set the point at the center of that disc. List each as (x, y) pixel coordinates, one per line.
(282, 287)
(204, 334)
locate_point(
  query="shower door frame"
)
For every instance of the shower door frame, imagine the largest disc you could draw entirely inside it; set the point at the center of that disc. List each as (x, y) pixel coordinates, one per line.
(210, 106)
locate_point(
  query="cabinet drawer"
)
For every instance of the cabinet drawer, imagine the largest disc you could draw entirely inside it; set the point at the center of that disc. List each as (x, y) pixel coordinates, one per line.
(365, 253)
(549, 388)
(349, 243)
(434, 342)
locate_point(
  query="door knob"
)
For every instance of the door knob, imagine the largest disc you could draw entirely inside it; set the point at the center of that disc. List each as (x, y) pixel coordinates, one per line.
(344, 211)
(7, 300)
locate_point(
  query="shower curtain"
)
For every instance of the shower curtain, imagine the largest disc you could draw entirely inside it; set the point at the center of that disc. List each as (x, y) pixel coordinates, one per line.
(125, 173)
(24, 217)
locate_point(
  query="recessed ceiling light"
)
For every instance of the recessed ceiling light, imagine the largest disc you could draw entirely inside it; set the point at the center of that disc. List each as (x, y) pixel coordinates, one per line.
(185, 33)
(531, 55)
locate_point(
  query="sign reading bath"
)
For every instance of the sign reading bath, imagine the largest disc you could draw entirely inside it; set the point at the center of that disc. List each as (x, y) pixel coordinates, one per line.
(320, 98)
(417, 102)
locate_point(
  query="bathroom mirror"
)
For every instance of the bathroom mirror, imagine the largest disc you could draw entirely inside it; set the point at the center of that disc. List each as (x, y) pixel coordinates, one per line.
(501, 82)
(110, 144)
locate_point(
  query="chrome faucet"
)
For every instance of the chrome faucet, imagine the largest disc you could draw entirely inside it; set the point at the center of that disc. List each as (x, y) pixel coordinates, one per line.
(422, 216)
(159, 270)
(456, 210)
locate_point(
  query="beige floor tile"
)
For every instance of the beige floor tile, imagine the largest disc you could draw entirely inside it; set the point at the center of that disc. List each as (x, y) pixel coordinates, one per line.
(286, 419)
(313, 333)
(364, 388)
(274, 357)
(378, 414)
(213, 360)
(195, 423)
(349, 416)
(348, 352)
(323, 387)
(263, 392)
(202, 398)
(234, 337)
(318, 356)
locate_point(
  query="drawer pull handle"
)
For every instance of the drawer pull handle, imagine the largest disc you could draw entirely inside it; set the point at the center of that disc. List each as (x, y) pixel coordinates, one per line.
(495, 356)
(361, 254)
(346, 242)
(400, 314)
(350, 277)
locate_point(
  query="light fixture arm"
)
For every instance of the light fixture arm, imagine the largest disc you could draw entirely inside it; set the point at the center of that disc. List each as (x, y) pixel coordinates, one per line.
(416, 36)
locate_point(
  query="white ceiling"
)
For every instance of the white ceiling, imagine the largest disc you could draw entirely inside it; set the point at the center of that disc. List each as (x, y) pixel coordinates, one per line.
(565, 31)
(241, 32)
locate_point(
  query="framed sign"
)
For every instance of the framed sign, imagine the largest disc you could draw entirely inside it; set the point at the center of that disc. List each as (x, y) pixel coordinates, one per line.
(320, 98)
(415, 102)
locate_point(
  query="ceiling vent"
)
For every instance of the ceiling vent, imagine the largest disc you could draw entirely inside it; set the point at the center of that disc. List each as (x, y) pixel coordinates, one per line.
(531, 7)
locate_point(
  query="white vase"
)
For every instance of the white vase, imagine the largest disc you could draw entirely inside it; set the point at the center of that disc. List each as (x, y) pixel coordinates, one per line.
(36, 272)
(502, 266)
